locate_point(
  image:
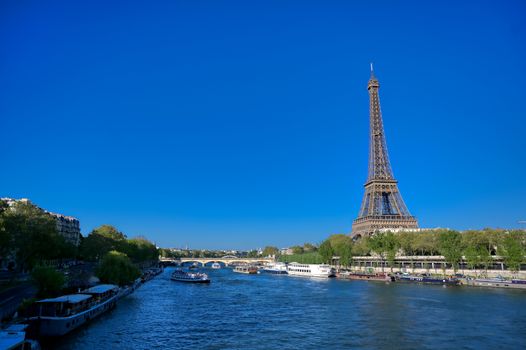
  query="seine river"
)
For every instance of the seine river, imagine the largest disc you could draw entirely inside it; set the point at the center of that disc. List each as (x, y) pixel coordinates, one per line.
(239, 311)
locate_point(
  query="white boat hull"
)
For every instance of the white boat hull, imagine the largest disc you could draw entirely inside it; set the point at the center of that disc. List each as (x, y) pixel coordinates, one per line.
(310, 270)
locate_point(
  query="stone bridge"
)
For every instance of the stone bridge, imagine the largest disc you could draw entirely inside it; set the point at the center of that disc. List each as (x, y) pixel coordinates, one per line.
(227, 260)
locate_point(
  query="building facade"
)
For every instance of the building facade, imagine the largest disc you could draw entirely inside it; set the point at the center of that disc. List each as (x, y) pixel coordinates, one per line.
(67, 226)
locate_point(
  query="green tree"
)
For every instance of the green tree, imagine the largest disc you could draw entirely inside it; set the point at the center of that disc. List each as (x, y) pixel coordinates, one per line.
(450, 245)
(110, 232)
(512, 251)
(106, 238)
(95, 246)
(117, 268)
(472, 256)
(5, 236)
(140, 250)
(326, 251)
(297, 249)
(361, 247)
(391, 246)
(344, 251)
(309, 247)
(31, 234)
(426, 243)
(305, 258)
(377, 245)
(407, 242)
(342, 247)
(48, 281)
(253, 254)
(270, 251)
(485, 257)
(385, 245)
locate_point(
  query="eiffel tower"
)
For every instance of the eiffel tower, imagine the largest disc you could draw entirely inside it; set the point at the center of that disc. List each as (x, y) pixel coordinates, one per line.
(382, 204)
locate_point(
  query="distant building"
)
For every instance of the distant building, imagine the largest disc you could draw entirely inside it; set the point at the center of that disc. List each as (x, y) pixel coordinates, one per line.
(11, 201)
(399, 229)
(67, 226)
(286, 251)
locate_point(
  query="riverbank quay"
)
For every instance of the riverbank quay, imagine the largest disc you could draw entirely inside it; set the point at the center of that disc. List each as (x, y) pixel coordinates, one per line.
(27, 332)
(432, 264)
(370, 274)
(12, 296)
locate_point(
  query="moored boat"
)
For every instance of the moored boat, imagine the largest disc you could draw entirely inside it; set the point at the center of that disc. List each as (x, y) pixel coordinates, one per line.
(496, 282)
(425, 278)
(13, 337)
(247, 269)
(189, 277)
(277, 268)
(58, 316)
(310, 270)
(381, 277)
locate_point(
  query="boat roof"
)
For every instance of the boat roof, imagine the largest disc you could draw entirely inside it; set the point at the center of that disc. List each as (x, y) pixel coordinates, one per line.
(101, 288)
(72, 298)
(19, 327)
(11, 340)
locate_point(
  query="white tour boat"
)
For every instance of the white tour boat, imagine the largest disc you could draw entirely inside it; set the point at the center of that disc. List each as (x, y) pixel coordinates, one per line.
(310, 270)
(189, 277)
(251, 270)
(216, 265)
(278, 268)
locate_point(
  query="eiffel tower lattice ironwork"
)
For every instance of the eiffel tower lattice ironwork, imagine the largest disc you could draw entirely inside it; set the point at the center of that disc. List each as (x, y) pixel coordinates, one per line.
(382, 204)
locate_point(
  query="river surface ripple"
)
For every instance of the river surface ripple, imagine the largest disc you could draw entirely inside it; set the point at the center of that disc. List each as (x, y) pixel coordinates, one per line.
(238, 311)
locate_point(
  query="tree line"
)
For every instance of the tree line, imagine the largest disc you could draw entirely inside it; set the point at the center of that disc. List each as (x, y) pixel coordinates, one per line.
(476, 247)
(107, 238)
(30, 241)
(28, 236)
(118, 257)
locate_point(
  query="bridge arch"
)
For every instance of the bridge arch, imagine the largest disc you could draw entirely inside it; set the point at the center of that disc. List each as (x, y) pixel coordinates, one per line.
(225, 260)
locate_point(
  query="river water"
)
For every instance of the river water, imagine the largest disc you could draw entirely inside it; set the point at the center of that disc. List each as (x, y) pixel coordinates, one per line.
(238, 311)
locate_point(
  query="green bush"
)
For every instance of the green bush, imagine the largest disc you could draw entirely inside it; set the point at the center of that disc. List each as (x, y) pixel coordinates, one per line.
(48, 281)
(117, 268)
(306, 258)
(25, 305)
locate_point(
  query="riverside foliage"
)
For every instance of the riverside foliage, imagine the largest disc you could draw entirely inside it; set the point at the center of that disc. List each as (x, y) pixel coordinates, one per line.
(117, 268)
(475, 246)
(49, 282)
(107, 238)
(29, 235)
(118, 256)
(29, 238)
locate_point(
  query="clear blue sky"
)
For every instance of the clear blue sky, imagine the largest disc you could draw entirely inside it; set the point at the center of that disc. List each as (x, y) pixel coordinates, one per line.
(237, 124)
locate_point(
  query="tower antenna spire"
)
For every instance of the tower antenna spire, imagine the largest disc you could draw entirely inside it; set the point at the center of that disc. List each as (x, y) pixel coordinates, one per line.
(372, 70)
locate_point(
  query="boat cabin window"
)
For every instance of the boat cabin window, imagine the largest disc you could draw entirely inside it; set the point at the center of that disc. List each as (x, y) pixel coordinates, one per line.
(62, 306)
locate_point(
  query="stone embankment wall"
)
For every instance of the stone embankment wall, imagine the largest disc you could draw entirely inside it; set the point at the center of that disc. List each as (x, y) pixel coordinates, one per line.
(433, 265)
(437, 271)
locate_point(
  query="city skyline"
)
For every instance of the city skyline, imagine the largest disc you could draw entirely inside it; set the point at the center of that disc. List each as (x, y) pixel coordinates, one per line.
(240, 126)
